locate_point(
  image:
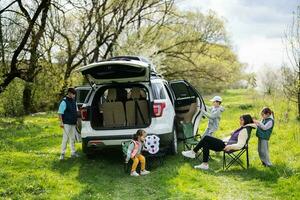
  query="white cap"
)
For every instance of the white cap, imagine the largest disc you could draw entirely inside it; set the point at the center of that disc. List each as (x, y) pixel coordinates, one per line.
(216, 98)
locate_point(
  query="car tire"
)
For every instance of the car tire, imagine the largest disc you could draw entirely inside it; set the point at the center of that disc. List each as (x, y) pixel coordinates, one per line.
(174, 144)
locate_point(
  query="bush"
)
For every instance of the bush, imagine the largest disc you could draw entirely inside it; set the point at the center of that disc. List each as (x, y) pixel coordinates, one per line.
(11, 99)
(245, 106)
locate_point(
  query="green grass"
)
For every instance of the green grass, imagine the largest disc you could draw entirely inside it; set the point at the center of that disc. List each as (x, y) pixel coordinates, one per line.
(30, 169)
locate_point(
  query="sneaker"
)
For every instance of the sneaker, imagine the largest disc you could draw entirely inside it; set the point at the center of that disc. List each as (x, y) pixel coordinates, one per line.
(62, 157)
(74, 155)
(202, 166)
(134, 173)
(189, 154)
(145, 172)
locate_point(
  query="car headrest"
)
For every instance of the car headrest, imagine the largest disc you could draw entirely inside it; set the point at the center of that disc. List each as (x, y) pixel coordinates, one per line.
(112, 94)
(135, 93)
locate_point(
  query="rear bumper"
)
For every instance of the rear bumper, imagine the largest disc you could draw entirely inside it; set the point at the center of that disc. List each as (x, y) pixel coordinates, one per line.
(116, 140)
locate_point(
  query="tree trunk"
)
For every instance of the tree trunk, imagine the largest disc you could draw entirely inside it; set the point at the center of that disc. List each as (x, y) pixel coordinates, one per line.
(299, 104)
(27, 98)
(298, 88)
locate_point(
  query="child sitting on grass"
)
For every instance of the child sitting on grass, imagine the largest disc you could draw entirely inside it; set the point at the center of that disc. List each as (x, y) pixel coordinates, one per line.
(134, 152)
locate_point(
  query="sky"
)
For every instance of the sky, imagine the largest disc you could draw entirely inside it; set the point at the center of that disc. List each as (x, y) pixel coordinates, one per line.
(255, 27)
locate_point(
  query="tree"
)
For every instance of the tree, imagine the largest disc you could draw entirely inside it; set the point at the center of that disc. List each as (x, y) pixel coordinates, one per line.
(24, 61)
(188, 45)
(90, 32)
(269, 80)
(292, 76)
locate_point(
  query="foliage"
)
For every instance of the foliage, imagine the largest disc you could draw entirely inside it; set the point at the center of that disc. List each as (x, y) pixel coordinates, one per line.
(292, 75)
(191, 46)
(30, 168)
(269, 80)
(11, 99)
(54, 37)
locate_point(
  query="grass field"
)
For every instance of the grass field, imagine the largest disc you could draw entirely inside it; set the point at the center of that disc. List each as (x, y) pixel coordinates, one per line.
(30, 169)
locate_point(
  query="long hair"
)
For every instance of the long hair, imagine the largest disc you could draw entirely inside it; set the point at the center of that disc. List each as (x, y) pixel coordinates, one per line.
(267, 111)
(139, 133)
(247, 120)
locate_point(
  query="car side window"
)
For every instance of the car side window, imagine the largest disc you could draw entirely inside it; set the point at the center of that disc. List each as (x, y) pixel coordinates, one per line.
(169, 93)
(158, 91)
(182, 91)
(81, 95)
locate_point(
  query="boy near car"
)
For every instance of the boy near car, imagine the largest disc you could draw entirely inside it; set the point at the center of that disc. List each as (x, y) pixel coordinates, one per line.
(214, 116)
(67, 113)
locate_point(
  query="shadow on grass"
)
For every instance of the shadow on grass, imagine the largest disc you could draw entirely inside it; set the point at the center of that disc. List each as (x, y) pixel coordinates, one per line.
(265, 174)
(103, 176)
(270, 174)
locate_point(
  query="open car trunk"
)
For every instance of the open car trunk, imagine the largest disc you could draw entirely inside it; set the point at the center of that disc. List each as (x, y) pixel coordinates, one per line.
(121, 106)
(116, 72)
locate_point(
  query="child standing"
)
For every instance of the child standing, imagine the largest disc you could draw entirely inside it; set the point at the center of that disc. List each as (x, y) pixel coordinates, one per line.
(263, 132)
(134, 152)
(214, 116)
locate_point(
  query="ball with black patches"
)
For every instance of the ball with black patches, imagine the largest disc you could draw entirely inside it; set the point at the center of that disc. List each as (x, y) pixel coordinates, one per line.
(152, 144)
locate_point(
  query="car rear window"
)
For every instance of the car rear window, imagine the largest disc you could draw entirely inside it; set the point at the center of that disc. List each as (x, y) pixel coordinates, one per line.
(158, 91)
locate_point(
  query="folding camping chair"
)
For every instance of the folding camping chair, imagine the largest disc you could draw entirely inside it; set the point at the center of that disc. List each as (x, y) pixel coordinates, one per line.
(190, 140)
(235, 155)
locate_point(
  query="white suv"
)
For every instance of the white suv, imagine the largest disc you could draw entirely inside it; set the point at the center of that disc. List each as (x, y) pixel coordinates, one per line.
(125, 95)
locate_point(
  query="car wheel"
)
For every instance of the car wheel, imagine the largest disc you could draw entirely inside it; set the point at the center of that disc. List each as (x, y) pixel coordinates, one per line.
(174, 142)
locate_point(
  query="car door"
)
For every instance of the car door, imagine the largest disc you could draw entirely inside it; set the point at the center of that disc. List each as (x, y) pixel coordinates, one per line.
(188, 103)
(81, 95)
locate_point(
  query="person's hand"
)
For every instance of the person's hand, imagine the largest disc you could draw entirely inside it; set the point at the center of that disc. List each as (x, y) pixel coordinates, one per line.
(227, 148)
(61, 125)
(256, 121)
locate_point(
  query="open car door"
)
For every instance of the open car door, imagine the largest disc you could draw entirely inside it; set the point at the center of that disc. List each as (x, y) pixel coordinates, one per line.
(188, 103)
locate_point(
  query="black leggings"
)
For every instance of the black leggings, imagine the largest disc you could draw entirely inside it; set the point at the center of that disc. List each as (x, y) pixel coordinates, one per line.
(209, 143)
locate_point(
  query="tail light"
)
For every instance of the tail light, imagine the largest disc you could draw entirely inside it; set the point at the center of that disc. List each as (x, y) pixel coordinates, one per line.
(84, 114)
(158, 109)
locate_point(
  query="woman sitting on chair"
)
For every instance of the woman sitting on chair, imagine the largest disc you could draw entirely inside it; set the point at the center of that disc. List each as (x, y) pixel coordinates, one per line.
(236, 141)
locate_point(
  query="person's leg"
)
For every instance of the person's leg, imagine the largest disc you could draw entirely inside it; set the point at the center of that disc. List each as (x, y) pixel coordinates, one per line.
(72, 139)
(214, 144)
(265, 152)
(211, 142)
(142, 161)
(64, 139)
(143, 165)
(134, 164)
(260, 151)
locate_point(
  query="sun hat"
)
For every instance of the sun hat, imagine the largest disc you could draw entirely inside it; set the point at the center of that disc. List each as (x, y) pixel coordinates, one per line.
(216, 98)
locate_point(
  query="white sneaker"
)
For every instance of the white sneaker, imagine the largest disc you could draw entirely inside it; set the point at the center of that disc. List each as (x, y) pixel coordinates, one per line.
(62, 157)
(145, 172)
(134, 173)
(202, 166)
(189, 154)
